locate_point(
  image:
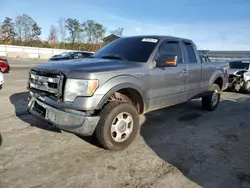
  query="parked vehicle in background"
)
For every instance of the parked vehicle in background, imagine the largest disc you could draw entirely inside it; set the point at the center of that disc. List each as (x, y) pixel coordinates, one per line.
(106, 93)
(239, 77)
(1, 80)
(71, 55)
(4, 65)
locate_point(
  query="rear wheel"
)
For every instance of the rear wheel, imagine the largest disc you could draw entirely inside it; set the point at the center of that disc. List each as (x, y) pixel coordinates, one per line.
(118, 125)
(211, 101)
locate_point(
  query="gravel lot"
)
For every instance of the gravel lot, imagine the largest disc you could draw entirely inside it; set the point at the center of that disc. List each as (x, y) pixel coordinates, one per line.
(179, 147)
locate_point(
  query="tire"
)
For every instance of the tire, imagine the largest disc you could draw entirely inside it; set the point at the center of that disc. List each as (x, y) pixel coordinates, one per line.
(208, 102)
(109, 117)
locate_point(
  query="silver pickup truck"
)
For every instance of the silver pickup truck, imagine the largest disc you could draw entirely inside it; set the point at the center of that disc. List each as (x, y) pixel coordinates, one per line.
(105, 94)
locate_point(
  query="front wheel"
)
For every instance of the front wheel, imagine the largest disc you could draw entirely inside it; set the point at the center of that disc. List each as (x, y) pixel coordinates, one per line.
(211, 101)
(118, 125)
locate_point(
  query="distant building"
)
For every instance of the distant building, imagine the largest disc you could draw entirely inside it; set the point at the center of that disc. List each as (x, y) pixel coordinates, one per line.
(110, 38)
(226, 54)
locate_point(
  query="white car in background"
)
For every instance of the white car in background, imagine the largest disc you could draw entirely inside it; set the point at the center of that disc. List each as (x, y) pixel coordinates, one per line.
(1, 80)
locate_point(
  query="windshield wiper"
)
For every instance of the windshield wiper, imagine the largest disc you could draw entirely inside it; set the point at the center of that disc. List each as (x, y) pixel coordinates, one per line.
(113, 56)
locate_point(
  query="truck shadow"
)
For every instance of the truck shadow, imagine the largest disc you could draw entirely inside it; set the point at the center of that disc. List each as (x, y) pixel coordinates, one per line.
(20, 103)
(209, 148)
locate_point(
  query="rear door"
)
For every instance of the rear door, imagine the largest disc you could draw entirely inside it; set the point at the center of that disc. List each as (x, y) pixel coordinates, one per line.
(194, 78)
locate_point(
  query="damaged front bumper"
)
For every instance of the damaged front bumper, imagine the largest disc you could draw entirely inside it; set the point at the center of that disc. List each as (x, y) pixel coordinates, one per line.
(78, 123)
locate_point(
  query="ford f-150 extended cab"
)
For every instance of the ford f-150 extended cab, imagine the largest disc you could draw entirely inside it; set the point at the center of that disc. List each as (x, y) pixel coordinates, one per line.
(104, 94)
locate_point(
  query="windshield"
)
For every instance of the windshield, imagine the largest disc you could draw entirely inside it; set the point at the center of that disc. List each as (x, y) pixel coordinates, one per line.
(65, 54)
(132, 49)
(238, 65)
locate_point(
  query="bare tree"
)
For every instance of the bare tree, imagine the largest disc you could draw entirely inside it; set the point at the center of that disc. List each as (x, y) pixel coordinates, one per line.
(62, 29)
(19, 27)
(52, 35)
(26, 28)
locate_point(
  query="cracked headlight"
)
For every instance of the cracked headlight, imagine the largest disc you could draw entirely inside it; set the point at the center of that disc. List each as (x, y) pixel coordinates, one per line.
(76, 87)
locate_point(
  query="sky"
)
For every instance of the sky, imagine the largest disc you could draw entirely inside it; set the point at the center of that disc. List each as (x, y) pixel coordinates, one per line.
(211, 24)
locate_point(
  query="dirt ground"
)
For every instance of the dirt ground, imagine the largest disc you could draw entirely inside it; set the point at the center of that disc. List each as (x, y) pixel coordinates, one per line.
(178, 147)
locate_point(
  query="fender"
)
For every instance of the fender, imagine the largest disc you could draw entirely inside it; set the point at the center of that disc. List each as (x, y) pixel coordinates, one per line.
(215, 75)
(118, 83)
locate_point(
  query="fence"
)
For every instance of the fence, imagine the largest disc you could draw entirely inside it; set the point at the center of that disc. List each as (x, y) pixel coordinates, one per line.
(29, 52)
(46, 53)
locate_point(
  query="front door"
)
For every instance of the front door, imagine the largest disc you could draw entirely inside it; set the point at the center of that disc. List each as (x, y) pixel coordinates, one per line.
(174, 79)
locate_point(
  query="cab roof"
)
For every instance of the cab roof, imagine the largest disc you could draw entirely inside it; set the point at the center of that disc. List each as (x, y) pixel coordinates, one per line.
(160, 37)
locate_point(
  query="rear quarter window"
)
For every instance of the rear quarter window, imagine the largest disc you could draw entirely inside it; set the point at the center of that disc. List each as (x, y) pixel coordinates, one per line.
(190, 53)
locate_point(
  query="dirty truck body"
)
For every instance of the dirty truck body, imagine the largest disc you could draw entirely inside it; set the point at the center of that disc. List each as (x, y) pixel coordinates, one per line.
(104, 94)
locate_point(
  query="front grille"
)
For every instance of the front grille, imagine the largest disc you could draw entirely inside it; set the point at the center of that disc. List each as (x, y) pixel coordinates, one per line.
(50, 83)
(53, 85)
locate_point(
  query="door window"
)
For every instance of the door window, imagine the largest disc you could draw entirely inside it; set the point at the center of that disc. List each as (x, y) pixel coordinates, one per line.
(172, 48)
(86, 55)
(79, 55)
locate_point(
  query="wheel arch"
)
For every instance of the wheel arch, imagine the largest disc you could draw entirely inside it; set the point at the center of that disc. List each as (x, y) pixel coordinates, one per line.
(132, 91)
(217, 78)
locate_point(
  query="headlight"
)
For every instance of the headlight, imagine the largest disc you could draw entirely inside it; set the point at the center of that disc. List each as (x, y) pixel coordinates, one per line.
(75, 88)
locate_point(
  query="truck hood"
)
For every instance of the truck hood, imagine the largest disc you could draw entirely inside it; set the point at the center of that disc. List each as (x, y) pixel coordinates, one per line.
(89, 65)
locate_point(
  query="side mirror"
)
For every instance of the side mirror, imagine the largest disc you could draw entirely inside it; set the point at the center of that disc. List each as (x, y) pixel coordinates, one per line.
(167, 61)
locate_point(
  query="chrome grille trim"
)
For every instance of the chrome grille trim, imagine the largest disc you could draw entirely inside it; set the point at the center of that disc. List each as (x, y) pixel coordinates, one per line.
(44, 87)
(46, 79)
(50, 83)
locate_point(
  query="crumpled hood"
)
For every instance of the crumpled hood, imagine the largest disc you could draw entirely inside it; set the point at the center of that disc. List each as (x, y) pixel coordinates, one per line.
(89, 65)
